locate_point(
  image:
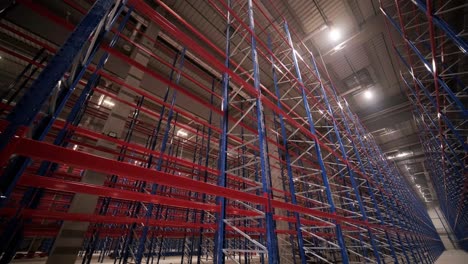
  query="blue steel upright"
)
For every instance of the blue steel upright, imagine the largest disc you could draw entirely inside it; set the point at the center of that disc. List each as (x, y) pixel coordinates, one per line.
(271, 242)
(30, 104)
(32, 101)
(339, 232)
(300, 239)
(222, 162)
(34, 98)
(345, 157)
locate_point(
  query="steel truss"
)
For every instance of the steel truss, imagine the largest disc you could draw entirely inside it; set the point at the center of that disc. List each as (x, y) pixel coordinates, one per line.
(288, 174)
(433, 49)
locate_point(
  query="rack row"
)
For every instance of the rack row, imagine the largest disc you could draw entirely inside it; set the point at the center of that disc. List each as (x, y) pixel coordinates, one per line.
(225, 143)
(433, 49)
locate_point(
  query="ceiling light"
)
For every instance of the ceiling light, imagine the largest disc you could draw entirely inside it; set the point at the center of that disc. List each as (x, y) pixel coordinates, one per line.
(101, 98)
(182, 133)
(108, 103)
(335, 34)
(368, 94)
(401, 155)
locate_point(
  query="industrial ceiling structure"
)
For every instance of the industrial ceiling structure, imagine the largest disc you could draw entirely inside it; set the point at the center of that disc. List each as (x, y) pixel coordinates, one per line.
(293, 131)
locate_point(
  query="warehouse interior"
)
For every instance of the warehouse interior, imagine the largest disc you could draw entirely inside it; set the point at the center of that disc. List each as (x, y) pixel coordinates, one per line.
(233, 131)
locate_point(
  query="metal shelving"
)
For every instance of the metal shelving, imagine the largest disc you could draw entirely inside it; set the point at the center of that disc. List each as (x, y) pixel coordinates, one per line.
(433, 50)
(288, 174)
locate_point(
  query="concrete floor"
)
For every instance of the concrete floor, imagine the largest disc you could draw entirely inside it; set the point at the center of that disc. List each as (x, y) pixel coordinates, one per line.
(453, 257)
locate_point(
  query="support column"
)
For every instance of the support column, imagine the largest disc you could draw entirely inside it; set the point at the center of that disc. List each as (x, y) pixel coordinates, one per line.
(285, 248)
(70, 238)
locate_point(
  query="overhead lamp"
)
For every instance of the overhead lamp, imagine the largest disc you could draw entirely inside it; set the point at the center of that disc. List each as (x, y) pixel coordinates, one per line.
(334, 34)
(108, 103)
(400, 155)
(368, 94)
(403, 154)
(182, 133)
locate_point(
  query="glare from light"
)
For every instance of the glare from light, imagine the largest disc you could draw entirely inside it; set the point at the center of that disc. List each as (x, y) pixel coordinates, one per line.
(298, 55)
(368, 94)
(400, 155)
(338, 47)
(75, 147)
(276, 67)
(403, 154)
(182, 133)
(108, 103)
(335, 34)
(100, 100)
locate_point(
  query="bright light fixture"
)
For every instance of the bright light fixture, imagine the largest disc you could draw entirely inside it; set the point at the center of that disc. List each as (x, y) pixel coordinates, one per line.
(401, 155)
(368, 94)
(335, 34)
(101, 98)
(108, 103)
(182, 133)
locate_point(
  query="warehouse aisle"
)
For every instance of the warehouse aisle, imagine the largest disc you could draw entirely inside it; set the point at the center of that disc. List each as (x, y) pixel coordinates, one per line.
(453, 257)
